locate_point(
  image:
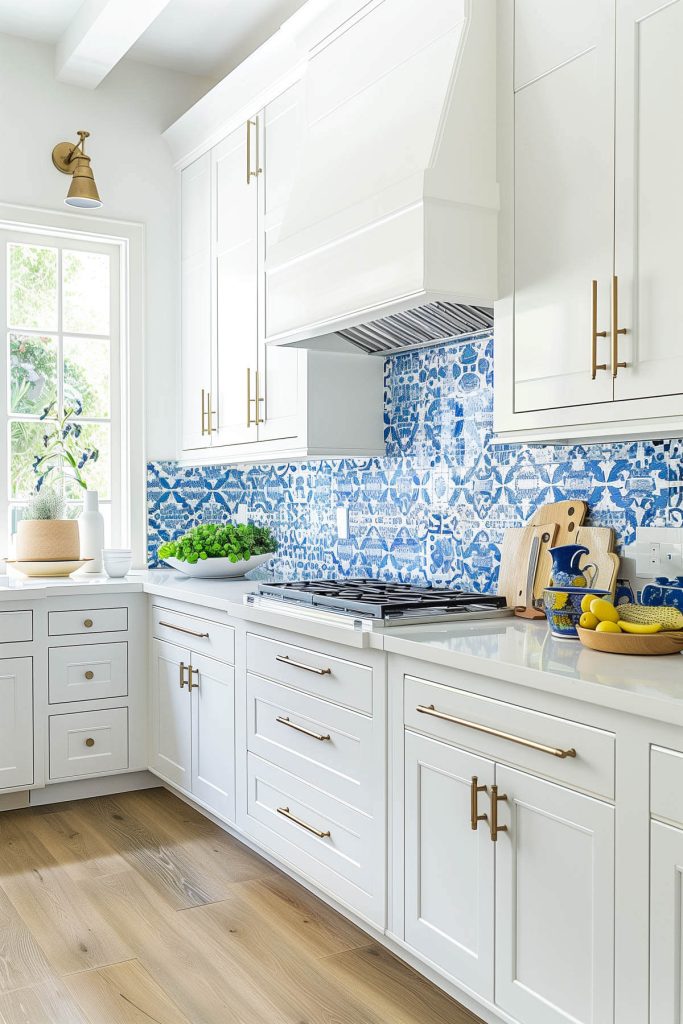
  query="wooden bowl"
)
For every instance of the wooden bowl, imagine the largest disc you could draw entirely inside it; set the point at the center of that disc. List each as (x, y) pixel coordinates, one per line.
(631, 643)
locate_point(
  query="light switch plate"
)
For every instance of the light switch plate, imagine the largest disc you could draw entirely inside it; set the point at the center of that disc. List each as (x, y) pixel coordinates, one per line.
(342, 522)
(658, 551)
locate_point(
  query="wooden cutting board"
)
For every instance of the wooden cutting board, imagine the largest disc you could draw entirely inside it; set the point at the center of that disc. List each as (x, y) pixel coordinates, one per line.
(569, 516)
(515, 560)
(600, 541)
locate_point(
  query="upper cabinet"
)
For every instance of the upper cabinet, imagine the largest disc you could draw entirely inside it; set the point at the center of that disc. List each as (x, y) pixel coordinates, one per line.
(243, 400)
(587, 322)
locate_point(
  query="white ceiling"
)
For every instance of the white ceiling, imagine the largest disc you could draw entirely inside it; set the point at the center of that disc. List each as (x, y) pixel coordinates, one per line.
(201, 37)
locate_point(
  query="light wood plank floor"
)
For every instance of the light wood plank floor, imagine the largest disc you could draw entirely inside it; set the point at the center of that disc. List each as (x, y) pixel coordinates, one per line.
(136, 909)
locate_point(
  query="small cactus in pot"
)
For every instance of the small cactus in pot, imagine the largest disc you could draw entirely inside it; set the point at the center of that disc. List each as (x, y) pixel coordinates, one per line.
(45, 535)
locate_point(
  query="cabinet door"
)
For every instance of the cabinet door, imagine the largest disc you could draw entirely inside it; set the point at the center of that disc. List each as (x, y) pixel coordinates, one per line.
(666, 929)
(16, 722)
(195, 288)
(563, 199)
(281, 369)
(213, 734)
(649, 201)
(554, 903)
(235, 280)
(170, 744)
(448, 866)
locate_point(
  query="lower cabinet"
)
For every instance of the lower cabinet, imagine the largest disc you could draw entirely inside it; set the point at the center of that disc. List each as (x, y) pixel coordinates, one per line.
(192, 716)
(540, 894)
(16, 722)
(666, 924)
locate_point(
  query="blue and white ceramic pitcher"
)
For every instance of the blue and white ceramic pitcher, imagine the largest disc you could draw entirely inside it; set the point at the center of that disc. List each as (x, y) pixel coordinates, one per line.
(566, 571)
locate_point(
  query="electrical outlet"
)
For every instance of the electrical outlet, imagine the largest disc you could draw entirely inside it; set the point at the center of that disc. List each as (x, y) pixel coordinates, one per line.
(658, 551)
(242, 513)
(342, 522)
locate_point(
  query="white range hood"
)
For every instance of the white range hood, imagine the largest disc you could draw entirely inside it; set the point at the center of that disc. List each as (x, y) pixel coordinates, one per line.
(395, 201)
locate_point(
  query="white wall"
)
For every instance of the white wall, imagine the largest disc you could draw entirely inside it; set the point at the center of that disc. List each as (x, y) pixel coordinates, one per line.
(134, 175)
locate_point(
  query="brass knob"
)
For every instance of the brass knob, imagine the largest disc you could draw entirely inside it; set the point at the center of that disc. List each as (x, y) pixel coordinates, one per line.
(90, 742)
(88, 623)
(89, 674)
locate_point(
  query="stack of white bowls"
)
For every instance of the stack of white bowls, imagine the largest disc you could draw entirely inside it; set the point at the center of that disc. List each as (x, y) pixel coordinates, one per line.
(117, 562)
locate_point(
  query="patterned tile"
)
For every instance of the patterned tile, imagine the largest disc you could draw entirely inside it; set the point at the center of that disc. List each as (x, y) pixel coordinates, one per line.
(435, 508)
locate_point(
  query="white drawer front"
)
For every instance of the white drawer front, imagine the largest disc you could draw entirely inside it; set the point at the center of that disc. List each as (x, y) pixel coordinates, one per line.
(592, 769)
(88, 672)
(16, 627)
(329, 746)
(88, 743)
(335, 679)
(88, 620)
(214, 639)
(666, 784)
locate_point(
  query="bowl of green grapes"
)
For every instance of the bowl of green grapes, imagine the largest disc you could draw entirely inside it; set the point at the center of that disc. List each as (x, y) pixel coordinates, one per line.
(219, 551)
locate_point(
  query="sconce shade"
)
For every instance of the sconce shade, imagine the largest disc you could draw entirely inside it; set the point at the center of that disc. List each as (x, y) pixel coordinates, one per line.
(71, 159)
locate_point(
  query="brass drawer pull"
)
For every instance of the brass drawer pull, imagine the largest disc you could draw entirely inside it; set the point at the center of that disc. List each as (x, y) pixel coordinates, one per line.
(90, 742)
(475, 816)
(595, 366)
(252, 174)
(495, 827)
(531, 744)
(253, 401)
(87, 623)
(89, 674)
(190, 672)
(181, 674)
(286, 660)
(299, 728)
(616, 330)
(285, 812)
(182, 629)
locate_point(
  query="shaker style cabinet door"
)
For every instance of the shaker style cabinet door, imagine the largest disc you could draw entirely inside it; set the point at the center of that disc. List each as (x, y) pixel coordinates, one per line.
(213, 734)
(235, 177)
(195, 298)
(554, 903)
(448, 866)
(563, 200)
(649, 200)
(16, 722)
(170, 740)
(666, 929)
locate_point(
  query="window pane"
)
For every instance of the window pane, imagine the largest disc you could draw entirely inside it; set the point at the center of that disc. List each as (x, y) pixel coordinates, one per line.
(26, 441)
(97, 474)
(32, 372)
(85, 295)
(86, 375)
(32, 286)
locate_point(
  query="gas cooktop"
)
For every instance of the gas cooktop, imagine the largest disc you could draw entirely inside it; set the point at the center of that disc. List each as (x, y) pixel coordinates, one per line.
(383, 602)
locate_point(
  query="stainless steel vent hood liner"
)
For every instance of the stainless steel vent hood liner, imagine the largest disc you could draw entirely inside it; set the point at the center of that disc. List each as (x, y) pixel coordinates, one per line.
(415, 328)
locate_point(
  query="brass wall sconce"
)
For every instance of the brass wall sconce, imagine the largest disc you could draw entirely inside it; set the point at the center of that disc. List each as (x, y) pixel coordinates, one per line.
(70, 158)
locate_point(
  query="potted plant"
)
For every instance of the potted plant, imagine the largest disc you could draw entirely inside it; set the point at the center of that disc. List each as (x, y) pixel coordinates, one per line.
(45, 535)
(220, 550)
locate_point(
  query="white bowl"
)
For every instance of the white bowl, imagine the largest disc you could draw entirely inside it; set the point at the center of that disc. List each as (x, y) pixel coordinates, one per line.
(117, 562)
(219, 568)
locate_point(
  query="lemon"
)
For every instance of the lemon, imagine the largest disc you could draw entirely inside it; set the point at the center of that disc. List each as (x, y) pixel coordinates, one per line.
(588, 620)
(604, 611)
(640, 628)
(607, 626)
(586, 602)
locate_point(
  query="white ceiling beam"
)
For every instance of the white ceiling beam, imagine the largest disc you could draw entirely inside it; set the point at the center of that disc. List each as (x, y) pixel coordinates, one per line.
(99, 35)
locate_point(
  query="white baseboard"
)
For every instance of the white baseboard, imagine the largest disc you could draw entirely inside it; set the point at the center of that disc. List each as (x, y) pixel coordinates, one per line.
(13, 801)
(81, 789)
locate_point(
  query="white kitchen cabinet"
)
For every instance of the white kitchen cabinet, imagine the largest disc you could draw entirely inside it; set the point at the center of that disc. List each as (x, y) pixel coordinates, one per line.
(448, 865)
(192, 725)
(195, 298)
(590, 172)
(666, 928)
(16, 723)
(554, 903)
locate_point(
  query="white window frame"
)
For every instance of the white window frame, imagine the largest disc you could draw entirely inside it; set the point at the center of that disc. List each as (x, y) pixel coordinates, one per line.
(125, 240)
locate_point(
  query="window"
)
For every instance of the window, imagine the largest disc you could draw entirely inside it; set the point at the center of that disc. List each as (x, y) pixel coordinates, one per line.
(61, 313)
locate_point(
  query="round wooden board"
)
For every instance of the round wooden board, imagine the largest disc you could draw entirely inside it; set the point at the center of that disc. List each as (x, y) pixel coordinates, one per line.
(629, 643)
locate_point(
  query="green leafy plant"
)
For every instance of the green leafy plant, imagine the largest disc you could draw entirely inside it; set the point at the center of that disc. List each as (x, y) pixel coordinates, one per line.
(46, 504)
(237, 542)
(64, 455)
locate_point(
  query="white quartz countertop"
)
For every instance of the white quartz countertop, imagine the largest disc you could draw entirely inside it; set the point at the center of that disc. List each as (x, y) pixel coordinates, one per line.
(510, 649)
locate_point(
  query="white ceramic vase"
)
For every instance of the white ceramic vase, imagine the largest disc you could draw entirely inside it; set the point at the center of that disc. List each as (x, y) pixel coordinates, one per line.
(91, 526)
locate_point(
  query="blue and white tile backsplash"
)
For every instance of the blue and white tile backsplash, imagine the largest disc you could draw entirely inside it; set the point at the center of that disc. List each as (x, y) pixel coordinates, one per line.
(434, 509)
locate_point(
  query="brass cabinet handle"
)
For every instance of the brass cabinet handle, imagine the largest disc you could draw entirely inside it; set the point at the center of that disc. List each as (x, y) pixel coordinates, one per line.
(252, 174)
(210, 413)
(258, 401)
(89, 674)
(183, 629)
(87, 623)
(181, 674)
(555, 751)
(616, 330)
(90, 742)
(248, 397)
(595, 333)
(203, 412)
(286, 813)
(475, 816)
(190, 672)
(495, 827)
(300, 728)
(253, 401)
(286, 660)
